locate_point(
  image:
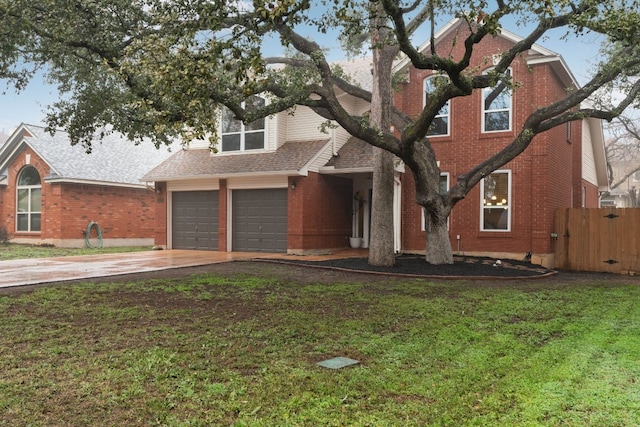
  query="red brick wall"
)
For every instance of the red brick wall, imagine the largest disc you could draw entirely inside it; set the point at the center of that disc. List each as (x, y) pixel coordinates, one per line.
(120, 212)
(67, 208)
(543, 177)
(160, 235)
(319, 212)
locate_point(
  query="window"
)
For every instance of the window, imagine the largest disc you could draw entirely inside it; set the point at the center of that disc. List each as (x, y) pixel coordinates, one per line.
(236, 136)
(495, 190)
(496, 106)
(444, 187)
(440, 124)
(29, 200)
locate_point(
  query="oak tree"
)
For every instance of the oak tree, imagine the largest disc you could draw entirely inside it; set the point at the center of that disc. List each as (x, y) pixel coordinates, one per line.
(160, 69)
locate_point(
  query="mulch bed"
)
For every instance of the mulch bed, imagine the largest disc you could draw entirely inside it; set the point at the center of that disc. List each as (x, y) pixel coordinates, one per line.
(415, 265)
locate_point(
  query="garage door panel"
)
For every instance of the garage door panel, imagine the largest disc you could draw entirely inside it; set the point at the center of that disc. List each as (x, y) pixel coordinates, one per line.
(195, 220)
(259, 220)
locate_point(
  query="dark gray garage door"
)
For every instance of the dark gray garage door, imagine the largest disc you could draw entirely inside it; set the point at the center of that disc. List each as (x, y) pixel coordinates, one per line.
(259, 220)
(195, 220)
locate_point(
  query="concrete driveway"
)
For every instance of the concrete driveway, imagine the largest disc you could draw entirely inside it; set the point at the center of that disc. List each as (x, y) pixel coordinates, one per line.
(47, 270)
(36, 271)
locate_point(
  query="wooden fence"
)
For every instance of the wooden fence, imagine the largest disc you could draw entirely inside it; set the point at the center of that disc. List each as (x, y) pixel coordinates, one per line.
(606, 239)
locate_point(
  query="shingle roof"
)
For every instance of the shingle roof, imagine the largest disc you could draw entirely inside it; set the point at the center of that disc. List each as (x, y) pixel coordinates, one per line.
(290, 157)
(354, 154)
(115, 159)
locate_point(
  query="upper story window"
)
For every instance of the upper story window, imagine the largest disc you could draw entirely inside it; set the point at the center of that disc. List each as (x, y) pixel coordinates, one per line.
(29, 200)
(495, 212)
(236, 136)
(440, 124)
(496, 106)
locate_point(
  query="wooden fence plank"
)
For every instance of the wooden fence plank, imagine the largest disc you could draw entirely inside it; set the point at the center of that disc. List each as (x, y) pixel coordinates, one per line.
(606, 240)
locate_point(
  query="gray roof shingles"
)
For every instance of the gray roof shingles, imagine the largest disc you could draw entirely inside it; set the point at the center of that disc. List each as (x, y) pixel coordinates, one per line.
(354, 154)
(115, 159)
(291, 156)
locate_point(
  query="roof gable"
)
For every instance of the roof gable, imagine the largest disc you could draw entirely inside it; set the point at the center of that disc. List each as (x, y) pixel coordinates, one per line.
(114, 160)
(535, 55)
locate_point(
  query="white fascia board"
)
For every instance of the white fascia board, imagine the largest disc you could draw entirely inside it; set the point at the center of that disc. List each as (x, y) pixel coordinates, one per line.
(304, 170)
(599, 154)
(62, 180)
(224, 175)
(331, 170)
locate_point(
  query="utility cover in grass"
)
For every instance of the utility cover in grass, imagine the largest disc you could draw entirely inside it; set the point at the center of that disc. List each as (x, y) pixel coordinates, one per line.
(337, 363)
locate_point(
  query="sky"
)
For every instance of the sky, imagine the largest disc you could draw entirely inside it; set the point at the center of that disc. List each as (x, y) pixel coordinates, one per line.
(29, 106)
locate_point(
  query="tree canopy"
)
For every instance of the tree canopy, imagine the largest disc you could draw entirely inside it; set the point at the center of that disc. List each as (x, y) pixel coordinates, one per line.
(161, 69)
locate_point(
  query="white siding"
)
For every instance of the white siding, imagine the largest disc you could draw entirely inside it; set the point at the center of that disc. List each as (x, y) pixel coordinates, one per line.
(588, 161)
(193, 185)
(252, 182)
(304, 125)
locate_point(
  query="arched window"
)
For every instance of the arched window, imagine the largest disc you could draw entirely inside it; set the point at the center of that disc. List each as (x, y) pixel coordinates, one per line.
(440, 124)
(496, 105)
(29, 200)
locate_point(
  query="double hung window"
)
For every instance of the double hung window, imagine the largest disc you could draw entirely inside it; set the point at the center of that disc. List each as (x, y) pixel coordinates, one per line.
(236, 136)
(440, 124)
(495, 212)
(496, 105)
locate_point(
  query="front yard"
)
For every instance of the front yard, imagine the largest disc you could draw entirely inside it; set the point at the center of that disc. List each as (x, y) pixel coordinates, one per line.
(239, 346)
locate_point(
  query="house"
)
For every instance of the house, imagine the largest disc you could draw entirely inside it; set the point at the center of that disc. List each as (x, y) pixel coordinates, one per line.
(625, 194)
(281, 185)
(50, 191)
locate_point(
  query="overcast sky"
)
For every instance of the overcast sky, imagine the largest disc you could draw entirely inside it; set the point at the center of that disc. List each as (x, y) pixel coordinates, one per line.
(29, 106)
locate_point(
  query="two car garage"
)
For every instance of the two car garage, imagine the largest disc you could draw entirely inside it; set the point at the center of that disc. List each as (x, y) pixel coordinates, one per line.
(258, 220)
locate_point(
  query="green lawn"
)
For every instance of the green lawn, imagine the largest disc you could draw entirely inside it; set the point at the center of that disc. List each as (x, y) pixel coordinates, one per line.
(241, 350)
(13, 251)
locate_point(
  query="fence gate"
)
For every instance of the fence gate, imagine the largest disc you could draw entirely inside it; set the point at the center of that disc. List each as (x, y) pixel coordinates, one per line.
(606, 239)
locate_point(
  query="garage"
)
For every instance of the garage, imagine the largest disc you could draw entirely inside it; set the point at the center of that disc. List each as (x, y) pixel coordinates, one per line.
(259, 220)
(194, 223)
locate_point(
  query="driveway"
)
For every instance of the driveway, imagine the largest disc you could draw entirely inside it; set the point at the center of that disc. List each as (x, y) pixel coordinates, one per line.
(47, 270)
(34, 271)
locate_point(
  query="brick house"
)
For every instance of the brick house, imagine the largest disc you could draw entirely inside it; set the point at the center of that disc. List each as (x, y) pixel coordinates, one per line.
(50, 190)
(281, 185)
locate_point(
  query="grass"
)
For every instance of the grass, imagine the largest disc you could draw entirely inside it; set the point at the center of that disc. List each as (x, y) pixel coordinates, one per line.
(15, 251)
(241, 350)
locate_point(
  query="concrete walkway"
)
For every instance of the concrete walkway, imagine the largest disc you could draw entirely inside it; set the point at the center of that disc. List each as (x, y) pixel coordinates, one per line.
(35, 271)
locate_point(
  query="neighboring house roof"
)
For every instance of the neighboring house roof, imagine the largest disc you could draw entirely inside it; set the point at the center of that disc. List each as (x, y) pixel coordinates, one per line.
(114, 160)
(291, 158)
(3, 138)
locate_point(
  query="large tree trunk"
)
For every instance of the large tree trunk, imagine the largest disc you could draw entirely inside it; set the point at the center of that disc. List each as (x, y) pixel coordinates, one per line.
(381, 247)
(438, 243)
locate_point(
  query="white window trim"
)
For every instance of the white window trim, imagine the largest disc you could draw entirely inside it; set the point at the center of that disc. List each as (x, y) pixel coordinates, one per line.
(509, 205)
(423, 219)
(498, 110)
(243, 132)
(438, 116)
